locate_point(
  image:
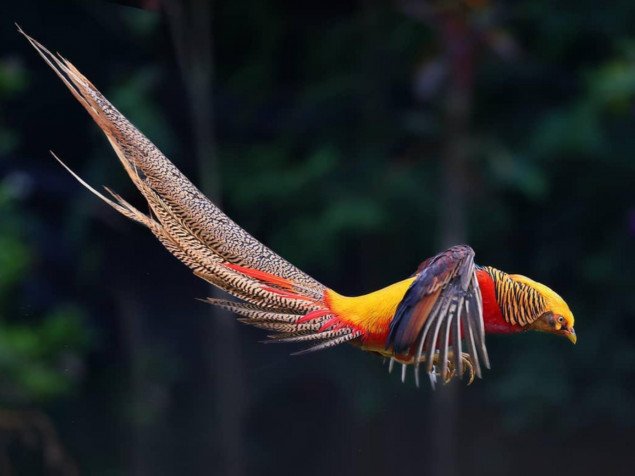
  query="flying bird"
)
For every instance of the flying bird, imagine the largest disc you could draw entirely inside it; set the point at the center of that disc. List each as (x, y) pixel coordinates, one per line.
(436, 319)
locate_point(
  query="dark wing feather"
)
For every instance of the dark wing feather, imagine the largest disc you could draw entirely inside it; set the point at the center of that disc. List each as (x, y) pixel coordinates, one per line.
(443, 301)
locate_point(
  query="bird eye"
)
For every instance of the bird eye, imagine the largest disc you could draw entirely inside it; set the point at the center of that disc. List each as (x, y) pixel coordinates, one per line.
(561, 319)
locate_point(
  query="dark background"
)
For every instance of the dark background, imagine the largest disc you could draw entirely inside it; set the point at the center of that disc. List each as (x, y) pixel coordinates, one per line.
(356, 139)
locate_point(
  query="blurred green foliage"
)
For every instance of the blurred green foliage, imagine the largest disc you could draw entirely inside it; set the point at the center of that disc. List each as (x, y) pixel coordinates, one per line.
(40, 356)
(329, 130)
(41, 361)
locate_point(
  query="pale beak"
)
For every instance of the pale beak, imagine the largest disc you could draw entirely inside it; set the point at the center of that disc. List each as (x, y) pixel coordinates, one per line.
(571, 335)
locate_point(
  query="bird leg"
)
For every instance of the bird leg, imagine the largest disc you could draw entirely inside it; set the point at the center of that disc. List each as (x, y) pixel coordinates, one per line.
(466, 363)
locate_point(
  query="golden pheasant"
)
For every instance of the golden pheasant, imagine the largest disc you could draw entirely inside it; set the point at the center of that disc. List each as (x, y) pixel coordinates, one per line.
(447, 305)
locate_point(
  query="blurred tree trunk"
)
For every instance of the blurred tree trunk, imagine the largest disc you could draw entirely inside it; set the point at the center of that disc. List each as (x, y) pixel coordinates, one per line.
(131, 317)
(458, 46)
(220, 368)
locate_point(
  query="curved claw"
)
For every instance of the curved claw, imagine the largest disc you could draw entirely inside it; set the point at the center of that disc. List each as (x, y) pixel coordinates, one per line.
(451, 372)
(468, 367)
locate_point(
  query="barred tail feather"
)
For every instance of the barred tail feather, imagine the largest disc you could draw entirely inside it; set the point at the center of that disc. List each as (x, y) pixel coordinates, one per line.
(150, 169)
(276, 295)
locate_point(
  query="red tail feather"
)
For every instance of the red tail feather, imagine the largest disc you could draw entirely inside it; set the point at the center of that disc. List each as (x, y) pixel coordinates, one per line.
(329, 323)
(262, 276)
(314, 315)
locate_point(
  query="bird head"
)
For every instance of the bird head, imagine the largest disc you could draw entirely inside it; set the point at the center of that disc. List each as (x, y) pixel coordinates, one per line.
(556, 317)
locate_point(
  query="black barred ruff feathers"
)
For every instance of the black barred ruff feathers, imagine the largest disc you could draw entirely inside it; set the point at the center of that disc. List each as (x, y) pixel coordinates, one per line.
(519, 303)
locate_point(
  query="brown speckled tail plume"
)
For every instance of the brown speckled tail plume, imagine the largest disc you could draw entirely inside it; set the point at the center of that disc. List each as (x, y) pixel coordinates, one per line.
(176, 202)
(277, 296)
(193, 229)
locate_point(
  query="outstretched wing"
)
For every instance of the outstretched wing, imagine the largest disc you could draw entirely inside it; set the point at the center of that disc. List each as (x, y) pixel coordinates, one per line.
(441, 306)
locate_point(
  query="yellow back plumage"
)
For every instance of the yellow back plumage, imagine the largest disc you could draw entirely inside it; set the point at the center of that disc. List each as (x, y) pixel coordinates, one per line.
(372, 311)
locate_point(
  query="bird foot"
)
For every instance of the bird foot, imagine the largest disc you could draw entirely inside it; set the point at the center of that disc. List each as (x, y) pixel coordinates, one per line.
(466, 368)
(466, 364)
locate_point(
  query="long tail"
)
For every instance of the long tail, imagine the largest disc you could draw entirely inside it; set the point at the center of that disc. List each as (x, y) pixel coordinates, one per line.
(277, 296)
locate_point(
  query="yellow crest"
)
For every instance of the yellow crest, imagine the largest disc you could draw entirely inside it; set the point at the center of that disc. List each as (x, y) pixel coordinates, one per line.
(555, 303)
